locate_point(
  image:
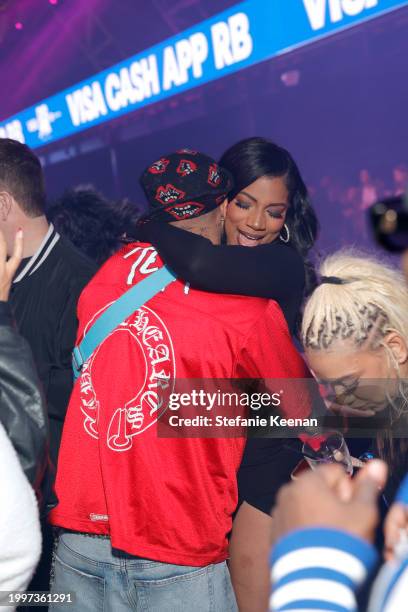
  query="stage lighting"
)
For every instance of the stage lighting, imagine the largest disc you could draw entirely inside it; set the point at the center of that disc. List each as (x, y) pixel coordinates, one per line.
(290, 78)
(18, 25)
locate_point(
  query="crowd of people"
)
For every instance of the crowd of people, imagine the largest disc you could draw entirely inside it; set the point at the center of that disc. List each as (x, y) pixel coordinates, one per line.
(346, 201)
(106, 311)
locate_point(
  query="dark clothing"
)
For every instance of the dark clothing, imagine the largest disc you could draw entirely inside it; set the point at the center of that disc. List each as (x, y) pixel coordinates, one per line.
(22, 409)
(275, 271)
(44, 296)
(266, 465)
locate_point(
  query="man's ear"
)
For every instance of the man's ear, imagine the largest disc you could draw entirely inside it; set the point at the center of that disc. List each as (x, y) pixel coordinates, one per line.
(6, 202)
(397, 346)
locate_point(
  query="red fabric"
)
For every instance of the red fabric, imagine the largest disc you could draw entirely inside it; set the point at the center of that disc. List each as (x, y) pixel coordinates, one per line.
(167, 499)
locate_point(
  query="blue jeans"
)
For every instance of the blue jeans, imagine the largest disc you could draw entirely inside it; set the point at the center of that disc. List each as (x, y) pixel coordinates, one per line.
(100, 579)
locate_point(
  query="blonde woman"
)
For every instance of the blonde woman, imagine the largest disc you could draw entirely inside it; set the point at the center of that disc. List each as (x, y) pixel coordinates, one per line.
(355, 335)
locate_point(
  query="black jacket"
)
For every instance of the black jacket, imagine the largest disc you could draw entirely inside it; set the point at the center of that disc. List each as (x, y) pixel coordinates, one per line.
(22, 408)
(43, 299)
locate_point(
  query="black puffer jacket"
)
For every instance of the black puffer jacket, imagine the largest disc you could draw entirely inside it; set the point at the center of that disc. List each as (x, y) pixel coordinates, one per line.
(22, 408)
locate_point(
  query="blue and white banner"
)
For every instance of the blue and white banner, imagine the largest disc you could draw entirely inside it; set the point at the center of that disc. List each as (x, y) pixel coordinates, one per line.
(247, 33)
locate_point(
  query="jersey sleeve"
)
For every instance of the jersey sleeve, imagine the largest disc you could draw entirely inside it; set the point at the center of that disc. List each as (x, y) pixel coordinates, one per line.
(269, 354)
(319, 569)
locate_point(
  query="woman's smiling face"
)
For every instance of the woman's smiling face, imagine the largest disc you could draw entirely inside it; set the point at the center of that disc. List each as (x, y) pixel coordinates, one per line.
(257, 213)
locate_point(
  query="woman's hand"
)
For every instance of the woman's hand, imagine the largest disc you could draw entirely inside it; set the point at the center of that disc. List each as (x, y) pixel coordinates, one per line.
(348, 411)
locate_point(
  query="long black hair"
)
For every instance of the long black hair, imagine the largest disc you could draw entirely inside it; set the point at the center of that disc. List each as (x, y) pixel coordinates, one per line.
(252, 158)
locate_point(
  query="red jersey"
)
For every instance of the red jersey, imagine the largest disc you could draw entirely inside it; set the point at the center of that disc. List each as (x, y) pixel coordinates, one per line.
(166, 499)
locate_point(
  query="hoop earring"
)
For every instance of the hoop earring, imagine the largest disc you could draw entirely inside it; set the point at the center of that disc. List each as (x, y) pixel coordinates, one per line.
(287, 237)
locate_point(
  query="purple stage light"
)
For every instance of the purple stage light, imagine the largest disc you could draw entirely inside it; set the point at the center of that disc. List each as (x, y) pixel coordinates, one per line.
(290, 78)
(18, 25)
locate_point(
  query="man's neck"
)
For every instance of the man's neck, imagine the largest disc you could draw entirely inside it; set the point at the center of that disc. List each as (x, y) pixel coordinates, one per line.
(34, 231)
(208, 226)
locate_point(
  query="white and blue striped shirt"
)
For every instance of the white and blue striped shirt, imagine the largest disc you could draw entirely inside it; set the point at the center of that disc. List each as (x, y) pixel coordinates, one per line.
(320, 569)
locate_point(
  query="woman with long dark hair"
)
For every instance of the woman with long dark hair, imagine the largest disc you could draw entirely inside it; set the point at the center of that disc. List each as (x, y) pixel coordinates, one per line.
(269, 209)
(257, 158)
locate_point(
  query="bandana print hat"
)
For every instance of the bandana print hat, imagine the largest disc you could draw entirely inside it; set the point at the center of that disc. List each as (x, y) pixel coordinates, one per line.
(184, 185)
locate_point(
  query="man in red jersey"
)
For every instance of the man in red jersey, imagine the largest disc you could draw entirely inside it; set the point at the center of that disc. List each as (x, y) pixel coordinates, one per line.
(145, 518)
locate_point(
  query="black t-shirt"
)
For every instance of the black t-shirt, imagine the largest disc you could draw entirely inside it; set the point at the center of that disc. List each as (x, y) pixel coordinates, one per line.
(44, 297)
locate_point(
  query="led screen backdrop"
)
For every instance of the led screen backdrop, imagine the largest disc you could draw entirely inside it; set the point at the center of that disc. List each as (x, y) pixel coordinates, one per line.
(325, 78)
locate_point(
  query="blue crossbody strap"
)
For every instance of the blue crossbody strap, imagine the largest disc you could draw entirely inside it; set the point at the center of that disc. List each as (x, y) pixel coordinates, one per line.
(118, 312)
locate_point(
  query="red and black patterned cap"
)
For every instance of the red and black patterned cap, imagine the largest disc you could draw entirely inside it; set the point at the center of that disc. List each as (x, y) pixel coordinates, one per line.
(184, 185)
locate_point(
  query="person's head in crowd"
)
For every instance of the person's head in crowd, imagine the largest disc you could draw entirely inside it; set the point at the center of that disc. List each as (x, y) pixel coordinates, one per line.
(269, 199)
(355, 335)
(126, 216)
(400, 177)
(187, 188)
(355, 324)
(22, 194)
(91, 222)
(364, 177)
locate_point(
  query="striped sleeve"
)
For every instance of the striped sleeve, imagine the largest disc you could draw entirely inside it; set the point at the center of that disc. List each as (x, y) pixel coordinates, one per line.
(319, 569)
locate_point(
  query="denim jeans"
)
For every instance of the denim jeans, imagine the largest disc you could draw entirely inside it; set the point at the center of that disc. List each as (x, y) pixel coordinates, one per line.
(102, 580)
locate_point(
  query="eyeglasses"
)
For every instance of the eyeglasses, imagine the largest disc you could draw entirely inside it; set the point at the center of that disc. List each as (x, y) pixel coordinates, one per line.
(338, 391)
